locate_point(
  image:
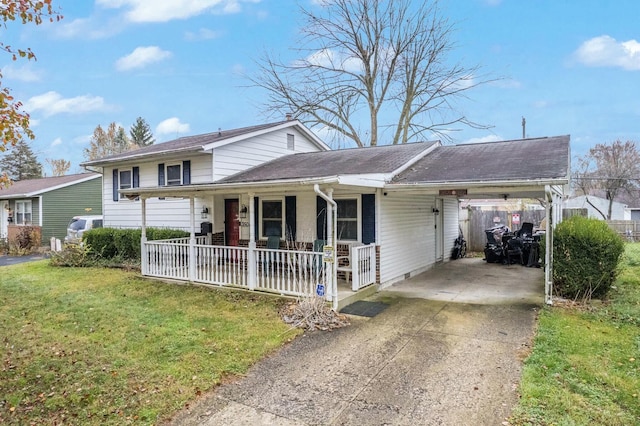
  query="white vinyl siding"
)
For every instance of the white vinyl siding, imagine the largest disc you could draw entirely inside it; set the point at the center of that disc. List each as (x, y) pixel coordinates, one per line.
(406, 234)
(241, 155)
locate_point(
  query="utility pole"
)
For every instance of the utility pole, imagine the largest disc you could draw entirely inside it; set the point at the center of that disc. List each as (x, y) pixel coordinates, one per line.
(524, 126)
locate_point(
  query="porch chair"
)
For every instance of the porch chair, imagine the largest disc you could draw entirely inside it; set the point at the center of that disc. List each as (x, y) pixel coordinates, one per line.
(347, 262)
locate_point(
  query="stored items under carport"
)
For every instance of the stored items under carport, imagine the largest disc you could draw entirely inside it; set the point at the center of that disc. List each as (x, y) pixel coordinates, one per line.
(506, 247)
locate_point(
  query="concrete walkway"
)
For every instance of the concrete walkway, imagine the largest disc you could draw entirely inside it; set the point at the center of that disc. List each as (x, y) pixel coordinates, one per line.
(420, 361)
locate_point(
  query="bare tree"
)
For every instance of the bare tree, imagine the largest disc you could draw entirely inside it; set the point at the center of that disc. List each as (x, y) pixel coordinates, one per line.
(113, 141)
(613, 169)
(381, 63)
(59, 167)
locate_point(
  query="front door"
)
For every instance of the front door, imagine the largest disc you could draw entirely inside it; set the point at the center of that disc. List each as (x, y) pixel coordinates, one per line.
(231, 222)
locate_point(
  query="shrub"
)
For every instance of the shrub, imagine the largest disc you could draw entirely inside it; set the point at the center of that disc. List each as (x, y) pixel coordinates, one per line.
(71, 255)
(111, 243)
(25, 241)
(586, 256)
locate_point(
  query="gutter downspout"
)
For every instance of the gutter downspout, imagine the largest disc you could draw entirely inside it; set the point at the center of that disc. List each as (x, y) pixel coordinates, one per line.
(331, 238)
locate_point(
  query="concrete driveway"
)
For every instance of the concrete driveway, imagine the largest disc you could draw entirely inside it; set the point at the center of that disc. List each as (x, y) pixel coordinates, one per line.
(455, 360)
(12, 260)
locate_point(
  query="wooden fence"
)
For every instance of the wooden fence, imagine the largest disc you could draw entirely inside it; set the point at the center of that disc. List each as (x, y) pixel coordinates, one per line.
(628, 229)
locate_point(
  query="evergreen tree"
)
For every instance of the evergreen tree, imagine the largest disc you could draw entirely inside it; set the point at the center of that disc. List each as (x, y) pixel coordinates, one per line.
(20, 163)
(141, 133)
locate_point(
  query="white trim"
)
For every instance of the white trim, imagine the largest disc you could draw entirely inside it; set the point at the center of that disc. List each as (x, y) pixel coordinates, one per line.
(40, 213)
(282, 217)
(15, 212)
(166, 173)
(358, 198)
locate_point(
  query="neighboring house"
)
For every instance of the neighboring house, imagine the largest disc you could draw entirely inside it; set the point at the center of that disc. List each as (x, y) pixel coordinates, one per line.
(391, 210)
(596, 206)
(632, 213)
(49, 203)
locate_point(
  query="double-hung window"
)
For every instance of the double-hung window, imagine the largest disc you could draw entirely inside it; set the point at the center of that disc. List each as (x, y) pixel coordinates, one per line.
(126, 179)
(347, 219)
(174, 175)
(23, 212)
(272, 218)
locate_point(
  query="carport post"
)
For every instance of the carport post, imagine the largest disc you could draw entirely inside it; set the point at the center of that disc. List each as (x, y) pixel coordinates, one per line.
(192, 241)
(144, 259)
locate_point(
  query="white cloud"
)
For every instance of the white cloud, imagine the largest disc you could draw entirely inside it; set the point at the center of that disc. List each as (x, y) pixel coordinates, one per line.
(141, 57)
(172, 126)
(24, 73)
(52, 103)
(606, 51)
(56, 142)
(331, 59)
(484, 139)
(88, 28)
(167, 10)
(201, 34)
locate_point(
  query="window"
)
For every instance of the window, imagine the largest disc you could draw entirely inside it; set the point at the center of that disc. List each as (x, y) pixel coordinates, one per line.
(347, 220)
(125, 179)
(23, 212)
(291, 142)
(174, 175)
(272, 218)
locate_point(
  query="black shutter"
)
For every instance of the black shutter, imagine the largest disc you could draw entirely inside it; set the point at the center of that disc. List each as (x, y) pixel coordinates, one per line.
(256, 216)
(161, 174)
(186, 172)
(116, 197)
(136, 177)
(321, 218)
(368, 218)
(290, 217)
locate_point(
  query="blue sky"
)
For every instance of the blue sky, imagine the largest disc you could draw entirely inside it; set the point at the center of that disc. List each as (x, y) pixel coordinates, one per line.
(568, 67)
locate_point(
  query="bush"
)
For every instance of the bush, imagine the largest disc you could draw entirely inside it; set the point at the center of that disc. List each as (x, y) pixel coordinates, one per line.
(72, 255)
(110, 243)
(586, 256)
(25, 241)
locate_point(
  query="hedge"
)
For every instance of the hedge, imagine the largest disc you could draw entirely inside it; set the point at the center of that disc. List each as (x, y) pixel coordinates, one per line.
(108, 243)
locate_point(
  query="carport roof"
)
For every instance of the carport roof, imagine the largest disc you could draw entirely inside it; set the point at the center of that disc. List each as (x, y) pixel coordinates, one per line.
(515, 160)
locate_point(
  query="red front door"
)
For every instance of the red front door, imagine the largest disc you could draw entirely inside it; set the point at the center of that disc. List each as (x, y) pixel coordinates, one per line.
(231, 223)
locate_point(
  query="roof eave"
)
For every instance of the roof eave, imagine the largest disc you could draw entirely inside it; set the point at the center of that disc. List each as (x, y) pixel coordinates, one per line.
(133, 157)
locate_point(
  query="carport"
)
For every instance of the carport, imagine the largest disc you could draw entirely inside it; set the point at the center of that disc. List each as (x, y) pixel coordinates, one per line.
(536, 168)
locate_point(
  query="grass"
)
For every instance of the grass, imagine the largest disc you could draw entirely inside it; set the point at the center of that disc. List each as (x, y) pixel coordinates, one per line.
(585, 364)
(101, 346)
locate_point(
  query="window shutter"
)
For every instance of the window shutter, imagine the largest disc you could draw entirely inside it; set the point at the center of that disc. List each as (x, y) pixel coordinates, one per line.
(161, 174)
(368, 218)
(321, 218)
(116, 197)
(186, 172)
(290, 217)
(136, 177)
(256, 216)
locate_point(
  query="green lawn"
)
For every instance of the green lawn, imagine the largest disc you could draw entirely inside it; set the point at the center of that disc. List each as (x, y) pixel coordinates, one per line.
(102, 346)
(585, 364)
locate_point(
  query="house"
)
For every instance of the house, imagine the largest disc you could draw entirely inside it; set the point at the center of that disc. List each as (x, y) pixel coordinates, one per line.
(188, 162)
(291, 222)
(596, 207)
(49, 203)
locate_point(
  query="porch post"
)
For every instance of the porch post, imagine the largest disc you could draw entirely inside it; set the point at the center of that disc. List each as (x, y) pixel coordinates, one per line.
(144, 258)
(548, 252)
(192, 241)
(252, 270)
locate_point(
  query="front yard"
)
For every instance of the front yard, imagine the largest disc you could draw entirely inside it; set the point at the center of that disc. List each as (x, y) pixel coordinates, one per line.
(585, 364)
(102, 346)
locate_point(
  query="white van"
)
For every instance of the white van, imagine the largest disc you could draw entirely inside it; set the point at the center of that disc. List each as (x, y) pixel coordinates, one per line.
(79, 224)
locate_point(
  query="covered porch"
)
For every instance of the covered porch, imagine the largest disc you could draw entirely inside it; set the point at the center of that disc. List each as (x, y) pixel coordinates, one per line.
(335, 270)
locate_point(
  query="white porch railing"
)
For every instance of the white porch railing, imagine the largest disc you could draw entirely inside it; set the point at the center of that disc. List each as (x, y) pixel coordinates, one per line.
(363, 261)
(286, 272)
(289, 272)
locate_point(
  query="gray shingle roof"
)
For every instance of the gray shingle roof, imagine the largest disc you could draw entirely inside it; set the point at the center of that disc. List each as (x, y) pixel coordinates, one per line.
(379, 159)
(37, 186)
(186, 143)
(523, 159)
